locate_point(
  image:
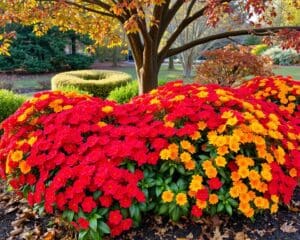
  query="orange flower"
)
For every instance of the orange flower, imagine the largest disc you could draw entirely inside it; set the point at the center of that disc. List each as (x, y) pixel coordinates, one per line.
(293, 172)
(243, 172)
(222, 150)
(201, 204)
(213, 199)
(101, 124)
(211, 172)
(185, 157)
(167, 196)
(235, 176)
(24, 167)
(195, 136)
(196, 183)
(201, 125)
(190, 165)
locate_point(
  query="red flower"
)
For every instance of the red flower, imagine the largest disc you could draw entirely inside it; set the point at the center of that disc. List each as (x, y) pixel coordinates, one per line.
(106, 200)
(126, 224)
(88, 204)
(215, 183)
(196, 212)
(83, 223)
(202, 194)
(115, 217)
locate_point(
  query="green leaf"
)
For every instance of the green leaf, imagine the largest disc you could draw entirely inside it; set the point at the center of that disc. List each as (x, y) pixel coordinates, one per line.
(82, 234)
(158, 191)
(181, 184)
(131, 167)
(220, 207)
(151, 206)
(68, 215)
(95, 235)
(97, 194)
(159, 181)
(203, 157)
(175, 214)
(174, 187)
(103, 227)
(228, 209)
(172, 170)
(164, 167)
(181, 169)
(163, 209)
(93, 224)
(233, 202)
(102, 211)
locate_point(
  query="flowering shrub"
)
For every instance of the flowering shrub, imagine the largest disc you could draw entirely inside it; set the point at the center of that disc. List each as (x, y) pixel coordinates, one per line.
(180, 150)
(283, 91)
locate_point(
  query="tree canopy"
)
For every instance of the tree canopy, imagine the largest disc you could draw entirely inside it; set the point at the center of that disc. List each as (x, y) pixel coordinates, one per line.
(145, 23)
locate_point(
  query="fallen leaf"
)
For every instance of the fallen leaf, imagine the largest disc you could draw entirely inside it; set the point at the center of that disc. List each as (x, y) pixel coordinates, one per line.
(49, 235)
(241, 236)
(288, 228)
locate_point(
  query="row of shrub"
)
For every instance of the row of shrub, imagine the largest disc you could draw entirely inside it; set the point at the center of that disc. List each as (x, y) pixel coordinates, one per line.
(180, 150)
(278, 55)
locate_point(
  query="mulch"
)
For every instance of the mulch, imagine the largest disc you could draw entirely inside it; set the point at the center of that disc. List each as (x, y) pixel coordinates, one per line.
(19, 221)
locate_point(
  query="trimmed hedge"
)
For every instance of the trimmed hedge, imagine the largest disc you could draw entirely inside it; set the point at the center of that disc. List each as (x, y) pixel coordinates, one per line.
(9, 103)
(99, 83)
(125, 93)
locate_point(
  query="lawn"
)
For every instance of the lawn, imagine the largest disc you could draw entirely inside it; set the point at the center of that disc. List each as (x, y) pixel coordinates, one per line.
(33, 82)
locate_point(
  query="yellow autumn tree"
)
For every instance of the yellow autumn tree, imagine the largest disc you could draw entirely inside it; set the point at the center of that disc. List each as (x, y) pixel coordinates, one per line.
(144, 22)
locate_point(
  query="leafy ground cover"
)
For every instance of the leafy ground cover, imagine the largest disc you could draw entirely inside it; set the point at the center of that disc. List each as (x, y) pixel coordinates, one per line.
(32, 83)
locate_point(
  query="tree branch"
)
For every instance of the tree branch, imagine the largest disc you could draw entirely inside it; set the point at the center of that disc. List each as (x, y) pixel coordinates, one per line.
(90, 9)
(259, 31)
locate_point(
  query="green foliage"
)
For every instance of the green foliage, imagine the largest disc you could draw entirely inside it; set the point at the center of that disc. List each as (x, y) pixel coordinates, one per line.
(95, 82)
(33, 54)
(9, 103)
(78, 61)
(125, 93)
(252, 40)
(259, 49)
(282, 57)
(69, 88)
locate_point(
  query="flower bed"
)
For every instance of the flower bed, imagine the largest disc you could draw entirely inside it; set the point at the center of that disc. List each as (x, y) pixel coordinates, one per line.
(181, 150)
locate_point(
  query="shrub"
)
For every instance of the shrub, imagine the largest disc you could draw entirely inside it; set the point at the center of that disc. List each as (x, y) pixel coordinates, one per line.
(99, 83)
(72, 89)
(9, 103)
(283, 91)
(259, 49)
(125, 93)
(180, 150)
(231, 65)
(78, 61)
(282, 57)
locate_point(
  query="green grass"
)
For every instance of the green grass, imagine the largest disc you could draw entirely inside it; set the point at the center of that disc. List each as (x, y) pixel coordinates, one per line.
(164, 74)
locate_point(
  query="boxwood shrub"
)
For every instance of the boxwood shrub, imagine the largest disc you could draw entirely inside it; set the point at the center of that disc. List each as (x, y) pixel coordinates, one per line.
(9, 103)
(125, 93)
(99, 83)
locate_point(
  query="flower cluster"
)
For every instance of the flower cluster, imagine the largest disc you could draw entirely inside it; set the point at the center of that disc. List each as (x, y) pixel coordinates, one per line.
(180, 150)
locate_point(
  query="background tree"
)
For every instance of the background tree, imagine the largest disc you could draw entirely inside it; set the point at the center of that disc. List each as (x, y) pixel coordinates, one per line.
(144, 21)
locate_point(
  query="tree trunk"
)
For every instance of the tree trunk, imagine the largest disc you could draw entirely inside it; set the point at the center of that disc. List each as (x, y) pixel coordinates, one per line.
(187, 64)
(148, 79)
(115, 57)
(171, 63)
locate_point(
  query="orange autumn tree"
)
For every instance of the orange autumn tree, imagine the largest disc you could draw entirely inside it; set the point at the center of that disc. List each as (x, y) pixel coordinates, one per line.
(145, 23)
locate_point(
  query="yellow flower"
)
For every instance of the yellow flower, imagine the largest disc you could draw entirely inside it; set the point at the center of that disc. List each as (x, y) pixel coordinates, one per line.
(178, 98)
(167, 196)
(154, 101)
(227, 114)
(67, 107)
(256, 127)
(244, 207)
(267, 175)
(164, 154)
(261, 202)
(24, 167)
(235, 176)
(17, 155)
(274, 208)
(173, 151)
(232, 121)
(220, 161)
(181, 199)
(249, 213)
(32, 140)
(190, 165)
(44, 97)
(196, 183)
(107, 109)
(185, 157)
(169, 124)
(220, 141)
(202, 94)
(254, 175)
(213, 199)
(207, 164)
(22, 117)
(243, 172)
(275, 198)
(234, 144)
